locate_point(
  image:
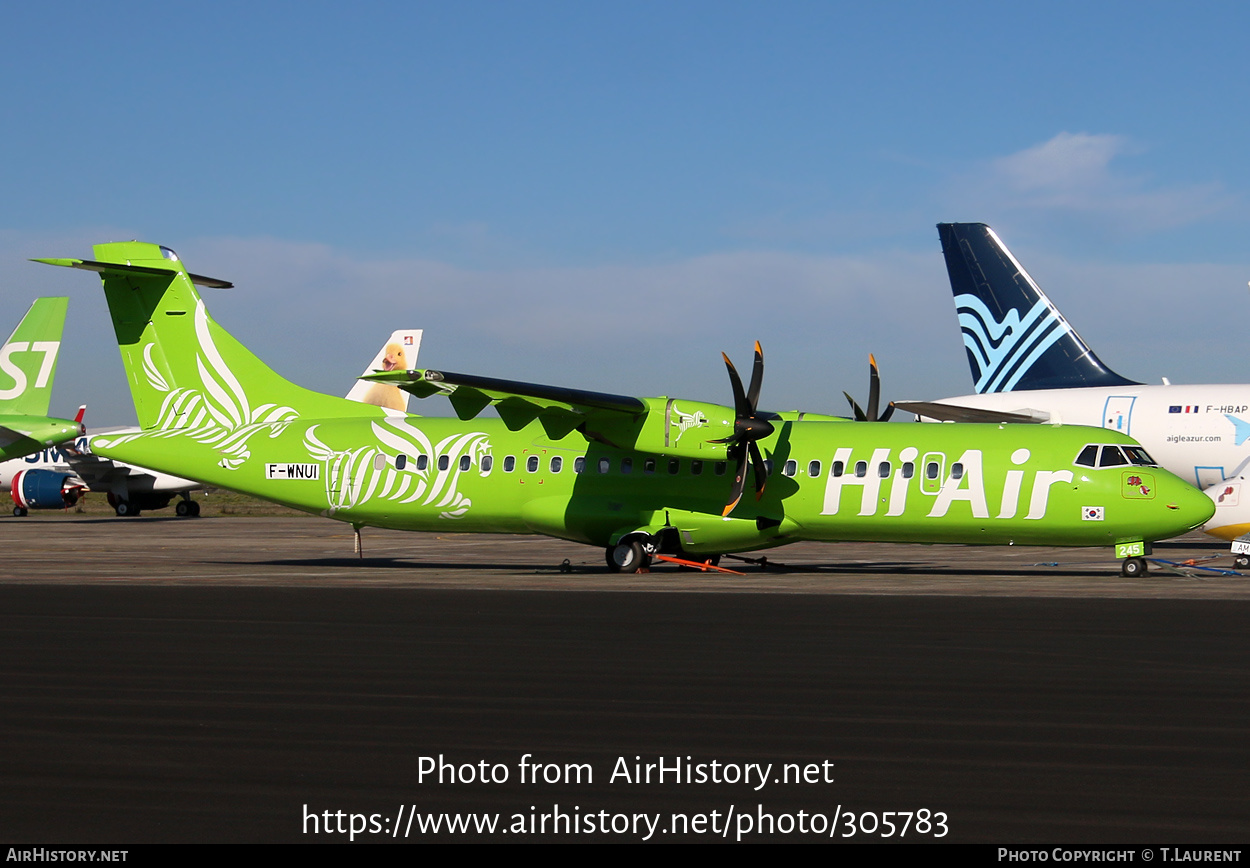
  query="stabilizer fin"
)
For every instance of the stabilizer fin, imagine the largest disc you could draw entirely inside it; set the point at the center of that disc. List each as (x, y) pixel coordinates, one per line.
(28, 359)
(1015, 337)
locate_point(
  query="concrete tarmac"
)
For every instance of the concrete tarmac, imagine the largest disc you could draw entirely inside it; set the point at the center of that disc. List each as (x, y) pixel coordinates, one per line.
(251, 680)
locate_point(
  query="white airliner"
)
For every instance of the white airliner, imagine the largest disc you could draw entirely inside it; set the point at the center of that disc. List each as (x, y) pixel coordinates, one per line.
(1029, 365)
(56, 477)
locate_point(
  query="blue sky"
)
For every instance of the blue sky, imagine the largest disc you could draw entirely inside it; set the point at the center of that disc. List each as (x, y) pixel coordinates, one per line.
(607, 195)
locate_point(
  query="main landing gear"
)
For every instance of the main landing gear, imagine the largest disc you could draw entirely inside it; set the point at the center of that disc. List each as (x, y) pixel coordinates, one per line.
(628, 556)
(187, 508)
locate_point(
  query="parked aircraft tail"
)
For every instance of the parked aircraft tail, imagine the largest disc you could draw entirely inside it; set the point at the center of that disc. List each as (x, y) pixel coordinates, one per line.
(185, 371)
(399, 353)
(1016, 338)
(28, 359)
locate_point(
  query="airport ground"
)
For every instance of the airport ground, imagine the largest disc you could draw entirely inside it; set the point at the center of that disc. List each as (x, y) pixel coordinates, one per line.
(223, 679)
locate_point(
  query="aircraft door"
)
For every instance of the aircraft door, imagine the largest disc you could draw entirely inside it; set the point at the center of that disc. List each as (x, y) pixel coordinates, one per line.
(1118, 412)
(932, 472)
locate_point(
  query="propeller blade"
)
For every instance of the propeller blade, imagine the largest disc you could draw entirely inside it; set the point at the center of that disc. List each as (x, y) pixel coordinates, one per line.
(740, 477)
(761, 471)
(747, 430)
(874, 388)
(757, 379)
(855, 408)
(741, 407)
(889, 411)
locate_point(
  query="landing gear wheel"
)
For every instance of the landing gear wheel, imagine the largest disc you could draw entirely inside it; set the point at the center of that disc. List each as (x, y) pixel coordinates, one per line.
(186, 508)
(195, 509)
(1241, 561)
(124, 509)
(627, 557)
(19, 511)
(1133, 567)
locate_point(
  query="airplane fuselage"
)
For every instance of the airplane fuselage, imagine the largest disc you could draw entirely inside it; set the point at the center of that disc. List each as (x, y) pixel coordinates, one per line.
(1201, 433)
(830, 481)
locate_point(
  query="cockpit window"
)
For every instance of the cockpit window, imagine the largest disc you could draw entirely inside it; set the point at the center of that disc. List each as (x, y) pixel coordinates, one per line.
(1140, 456)
(1088, 456)
(1111, 457)
(169, 254)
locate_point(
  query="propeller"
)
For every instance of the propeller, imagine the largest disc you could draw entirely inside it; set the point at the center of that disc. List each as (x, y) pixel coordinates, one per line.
(748, 428)
(874, 397)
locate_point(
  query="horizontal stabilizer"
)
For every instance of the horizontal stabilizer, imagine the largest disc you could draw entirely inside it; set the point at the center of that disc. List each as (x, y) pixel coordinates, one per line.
(119, 268)
(956, 413)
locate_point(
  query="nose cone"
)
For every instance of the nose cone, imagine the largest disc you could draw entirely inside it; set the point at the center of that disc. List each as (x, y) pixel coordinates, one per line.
(1176, 508)
(1230, 501)
(1191, 506)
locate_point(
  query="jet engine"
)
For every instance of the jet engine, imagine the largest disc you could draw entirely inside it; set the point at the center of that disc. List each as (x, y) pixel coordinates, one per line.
(44, 489)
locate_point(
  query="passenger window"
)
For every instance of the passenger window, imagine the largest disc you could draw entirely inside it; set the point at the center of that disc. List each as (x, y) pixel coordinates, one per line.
(401, 461)
(768, 467)
(696, 467)
(604, 465)
(883, 470)
(579, 464)
(423, 461)
(909, 470)
(1088, 456)
(627, 465)
(444, 461)
(556, 463)
(791, 467)
(813, 469)
(932, 469)
(648, 465)
(836, 468)
(861, 469)
(720, 468)
(509, 463)
(465, 462)
(531, 463)
(674, 465)
(487, 463)
(957, 471)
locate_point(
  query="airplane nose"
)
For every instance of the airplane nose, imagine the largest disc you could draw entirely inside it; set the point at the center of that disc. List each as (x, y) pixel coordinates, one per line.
(1191, 506)
(1231, 502)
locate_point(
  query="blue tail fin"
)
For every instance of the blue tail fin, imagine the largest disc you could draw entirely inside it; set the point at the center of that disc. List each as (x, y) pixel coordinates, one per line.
(1016, 339)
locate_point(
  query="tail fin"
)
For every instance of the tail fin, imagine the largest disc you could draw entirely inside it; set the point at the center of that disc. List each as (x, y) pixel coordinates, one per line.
(28, 359)
(1016, 339)
(399, 353)
(184, 370)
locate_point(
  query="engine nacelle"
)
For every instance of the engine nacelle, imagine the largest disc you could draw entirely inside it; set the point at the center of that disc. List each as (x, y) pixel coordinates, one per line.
(671, 426)
(44, 489)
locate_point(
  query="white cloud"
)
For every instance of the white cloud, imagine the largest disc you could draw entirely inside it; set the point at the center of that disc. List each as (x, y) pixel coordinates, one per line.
(1070, 162)
(1076, 175)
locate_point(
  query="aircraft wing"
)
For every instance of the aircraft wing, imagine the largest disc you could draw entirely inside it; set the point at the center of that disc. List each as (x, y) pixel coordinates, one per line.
(98, 473)
(517, 403)
(956, 413)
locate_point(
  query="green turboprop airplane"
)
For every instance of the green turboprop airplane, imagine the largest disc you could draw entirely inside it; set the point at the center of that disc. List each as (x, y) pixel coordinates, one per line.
(27, 369)
(640, 477)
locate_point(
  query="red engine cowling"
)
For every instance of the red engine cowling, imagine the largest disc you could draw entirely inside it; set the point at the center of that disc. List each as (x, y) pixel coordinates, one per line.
(44, 489)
